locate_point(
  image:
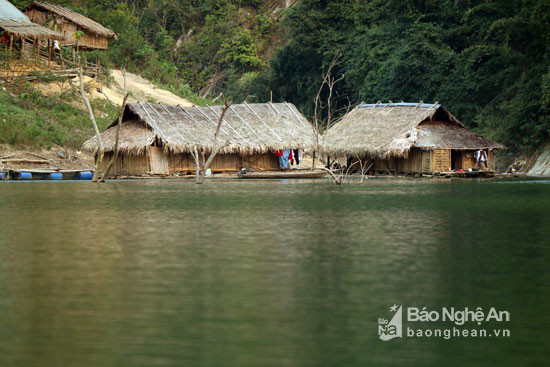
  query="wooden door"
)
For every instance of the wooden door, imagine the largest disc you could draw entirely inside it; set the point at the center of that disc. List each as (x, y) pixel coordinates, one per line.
(426, 161)
(158, 161)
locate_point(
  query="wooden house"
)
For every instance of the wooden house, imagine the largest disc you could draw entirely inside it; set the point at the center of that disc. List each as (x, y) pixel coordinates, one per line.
(159, 139)
(67, 22)
(407, 137)
(16, 29)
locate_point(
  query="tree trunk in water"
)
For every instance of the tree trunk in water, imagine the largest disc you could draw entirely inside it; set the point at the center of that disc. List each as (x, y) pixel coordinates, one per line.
(96, 129)
(120, 115)
(216, 146)
(197, 166)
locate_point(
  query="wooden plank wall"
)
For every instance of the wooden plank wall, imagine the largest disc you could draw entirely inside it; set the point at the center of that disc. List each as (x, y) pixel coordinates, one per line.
(67, 28)
(158, 161)
(155, 161)
(411, 164)
(127, 165)
(224, 162)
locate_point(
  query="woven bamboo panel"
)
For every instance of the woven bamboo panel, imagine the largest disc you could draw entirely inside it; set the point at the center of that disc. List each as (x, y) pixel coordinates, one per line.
(442, 160)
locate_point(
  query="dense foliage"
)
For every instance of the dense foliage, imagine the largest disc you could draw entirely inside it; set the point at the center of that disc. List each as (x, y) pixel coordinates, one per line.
(487, 61)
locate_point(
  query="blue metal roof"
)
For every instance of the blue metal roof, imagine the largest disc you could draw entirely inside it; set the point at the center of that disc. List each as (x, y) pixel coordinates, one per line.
(400, 104)
(8, 11)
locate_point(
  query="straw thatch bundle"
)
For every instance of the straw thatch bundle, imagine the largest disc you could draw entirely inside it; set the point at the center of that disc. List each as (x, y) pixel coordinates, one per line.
(246, 129)
(14, 22)
(76, 18)
(385, 130)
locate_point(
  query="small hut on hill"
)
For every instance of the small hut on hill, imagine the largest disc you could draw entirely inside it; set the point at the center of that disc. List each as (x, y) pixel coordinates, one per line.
(407, 137)
(16, 27)
(96, 36)
(159, 139)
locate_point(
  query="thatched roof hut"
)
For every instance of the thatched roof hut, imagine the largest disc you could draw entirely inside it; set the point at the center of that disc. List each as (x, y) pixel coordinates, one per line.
(391, 129)
(17, 24)
(67, 21)
(246, 129)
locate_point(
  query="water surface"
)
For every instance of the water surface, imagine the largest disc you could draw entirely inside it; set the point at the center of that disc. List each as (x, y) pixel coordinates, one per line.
(268, 273)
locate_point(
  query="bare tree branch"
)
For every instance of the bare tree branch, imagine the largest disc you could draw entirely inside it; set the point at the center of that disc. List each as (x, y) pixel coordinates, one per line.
(216, 146)
(96, 129)
(119, 123)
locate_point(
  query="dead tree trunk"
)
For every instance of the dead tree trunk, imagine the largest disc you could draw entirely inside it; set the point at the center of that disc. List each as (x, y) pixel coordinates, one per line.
(120, 115)
(328, 81)
(215, 147)
(100, 150)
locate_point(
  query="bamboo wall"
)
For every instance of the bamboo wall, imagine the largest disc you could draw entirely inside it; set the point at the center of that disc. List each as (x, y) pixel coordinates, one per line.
(127, 165)
(224, 162)
(428, 161)
(412, 163)
(156, 162)
(67, 28)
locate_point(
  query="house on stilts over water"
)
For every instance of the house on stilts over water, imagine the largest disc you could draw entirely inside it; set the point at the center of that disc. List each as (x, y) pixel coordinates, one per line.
(94, 36)
(407, 137)
(160, 139)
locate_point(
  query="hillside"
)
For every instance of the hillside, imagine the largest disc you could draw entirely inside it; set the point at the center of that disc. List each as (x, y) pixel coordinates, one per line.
(485, 60)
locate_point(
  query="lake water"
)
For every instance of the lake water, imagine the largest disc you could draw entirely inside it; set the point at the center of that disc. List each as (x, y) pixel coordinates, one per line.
(279, 273)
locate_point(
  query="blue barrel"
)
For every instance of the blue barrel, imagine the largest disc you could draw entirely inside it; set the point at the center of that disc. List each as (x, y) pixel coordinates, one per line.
(55, 176)
(84, 175)
(25, 176)
(3, 176)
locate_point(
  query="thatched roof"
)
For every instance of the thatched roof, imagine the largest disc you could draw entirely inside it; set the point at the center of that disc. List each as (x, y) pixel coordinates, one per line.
(392, 129)
(246, 129)
(14, 22)
(448, 136)
(79, 19)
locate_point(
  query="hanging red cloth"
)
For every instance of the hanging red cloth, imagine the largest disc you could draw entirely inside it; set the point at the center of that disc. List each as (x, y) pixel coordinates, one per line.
(279, 153)
(291, 157)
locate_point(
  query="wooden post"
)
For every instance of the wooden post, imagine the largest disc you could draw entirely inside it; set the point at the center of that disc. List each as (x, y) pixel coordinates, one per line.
(396, 166)
(11, 48)
(49, 53)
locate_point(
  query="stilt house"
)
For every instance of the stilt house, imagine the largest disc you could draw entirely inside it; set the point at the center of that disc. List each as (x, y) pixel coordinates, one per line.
(407, 137)
(159, 139)
(16, 29)
(67, 22)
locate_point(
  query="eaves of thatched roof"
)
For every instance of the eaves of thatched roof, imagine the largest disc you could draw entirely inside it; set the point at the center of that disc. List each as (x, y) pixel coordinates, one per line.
(14, 22)
(392, 129)
(246, 128)
(449, 136)
(74, 17)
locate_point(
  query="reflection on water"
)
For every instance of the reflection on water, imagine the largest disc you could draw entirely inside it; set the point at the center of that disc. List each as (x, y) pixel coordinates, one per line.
(168, 273)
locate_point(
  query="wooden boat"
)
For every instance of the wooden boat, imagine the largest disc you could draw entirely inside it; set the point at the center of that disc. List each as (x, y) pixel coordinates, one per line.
(283, 174)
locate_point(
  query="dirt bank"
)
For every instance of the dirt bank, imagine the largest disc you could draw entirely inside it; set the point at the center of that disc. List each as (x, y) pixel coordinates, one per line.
(140, 89)
(55, 158)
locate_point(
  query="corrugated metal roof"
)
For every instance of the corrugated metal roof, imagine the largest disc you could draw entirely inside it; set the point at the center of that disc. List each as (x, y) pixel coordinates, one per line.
(402, 104)
(8, 11)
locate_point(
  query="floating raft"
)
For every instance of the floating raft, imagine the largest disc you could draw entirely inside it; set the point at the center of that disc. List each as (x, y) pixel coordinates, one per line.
(467, 174)
(45, 174)
(282, 174)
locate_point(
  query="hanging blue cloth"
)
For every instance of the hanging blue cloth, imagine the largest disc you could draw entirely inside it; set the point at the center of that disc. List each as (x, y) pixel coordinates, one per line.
(283, 160)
